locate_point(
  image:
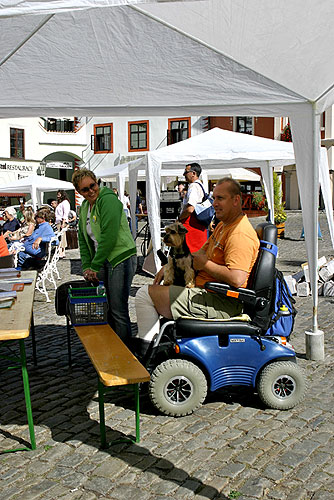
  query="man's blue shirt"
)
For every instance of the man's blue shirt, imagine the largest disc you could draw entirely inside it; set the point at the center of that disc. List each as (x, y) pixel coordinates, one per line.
(44, 231)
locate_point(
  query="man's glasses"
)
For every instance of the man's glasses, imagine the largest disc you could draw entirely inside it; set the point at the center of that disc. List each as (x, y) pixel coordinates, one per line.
(186, 172)
(88, 188)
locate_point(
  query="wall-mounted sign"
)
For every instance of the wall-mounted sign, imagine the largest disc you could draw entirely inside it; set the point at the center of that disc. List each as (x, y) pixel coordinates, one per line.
(67, 165)
(16, 166)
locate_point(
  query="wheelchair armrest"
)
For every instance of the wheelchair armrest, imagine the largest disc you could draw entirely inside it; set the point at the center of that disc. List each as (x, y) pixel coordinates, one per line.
(244, 294)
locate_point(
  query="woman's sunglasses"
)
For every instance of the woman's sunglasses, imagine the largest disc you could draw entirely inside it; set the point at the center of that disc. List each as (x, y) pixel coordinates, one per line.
(88, 188)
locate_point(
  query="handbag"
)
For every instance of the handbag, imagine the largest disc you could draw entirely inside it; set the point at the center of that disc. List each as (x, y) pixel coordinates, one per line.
(204, 211)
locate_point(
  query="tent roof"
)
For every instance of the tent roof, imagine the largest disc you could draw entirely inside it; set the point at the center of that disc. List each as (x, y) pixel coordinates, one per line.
(217, 146)
(38, 182)
(216, 149)
(240, 174)
(280, 41)
(191, 58)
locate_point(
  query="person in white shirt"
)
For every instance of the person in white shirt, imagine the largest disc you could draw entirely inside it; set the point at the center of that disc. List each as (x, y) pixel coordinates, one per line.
(197, 233)
(61, 215)
(126, 207)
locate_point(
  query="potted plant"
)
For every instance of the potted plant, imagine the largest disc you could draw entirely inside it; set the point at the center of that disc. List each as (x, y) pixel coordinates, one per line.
(259, 200)
(286, 134)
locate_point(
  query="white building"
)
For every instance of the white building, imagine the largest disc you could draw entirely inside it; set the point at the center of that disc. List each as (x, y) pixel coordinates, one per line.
(121, 138)
(41, 145)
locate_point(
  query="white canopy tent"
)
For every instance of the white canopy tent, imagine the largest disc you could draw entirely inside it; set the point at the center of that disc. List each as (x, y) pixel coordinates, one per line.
(120, 173)
(210, 57)
(36, 185)
(218, 151)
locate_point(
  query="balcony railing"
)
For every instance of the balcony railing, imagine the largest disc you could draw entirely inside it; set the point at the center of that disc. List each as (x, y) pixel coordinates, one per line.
(62, 125)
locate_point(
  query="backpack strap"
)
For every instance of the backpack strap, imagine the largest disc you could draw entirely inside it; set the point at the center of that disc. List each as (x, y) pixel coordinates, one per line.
(205, 195)
(269, 247)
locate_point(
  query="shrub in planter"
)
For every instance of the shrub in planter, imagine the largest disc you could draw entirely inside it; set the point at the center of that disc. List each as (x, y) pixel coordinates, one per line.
(260, 201)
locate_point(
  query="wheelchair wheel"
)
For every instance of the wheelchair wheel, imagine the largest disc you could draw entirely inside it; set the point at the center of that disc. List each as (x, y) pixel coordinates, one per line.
(177, 387)
(281, 385)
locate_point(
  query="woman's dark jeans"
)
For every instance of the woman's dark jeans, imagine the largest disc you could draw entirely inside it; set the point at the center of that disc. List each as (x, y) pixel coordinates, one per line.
(118, 281)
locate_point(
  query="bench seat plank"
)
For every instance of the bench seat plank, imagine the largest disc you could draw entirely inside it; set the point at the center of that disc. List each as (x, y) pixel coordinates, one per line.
(113, 361)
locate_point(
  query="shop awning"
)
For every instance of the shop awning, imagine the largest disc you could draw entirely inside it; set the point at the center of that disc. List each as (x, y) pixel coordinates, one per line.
(12, 195)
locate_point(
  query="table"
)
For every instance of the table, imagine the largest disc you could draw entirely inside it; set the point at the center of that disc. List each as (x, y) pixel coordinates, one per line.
(15, 324)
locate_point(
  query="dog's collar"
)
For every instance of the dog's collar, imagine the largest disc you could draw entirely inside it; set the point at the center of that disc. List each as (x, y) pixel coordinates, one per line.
(180, 255)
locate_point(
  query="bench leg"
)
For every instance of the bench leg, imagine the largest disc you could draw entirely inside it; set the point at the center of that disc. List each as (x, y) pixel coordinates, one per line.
(136, 388)
(102, 417)
(33, 339)
(104, 444)
(27, 394)
(22, 362)
(68, 331)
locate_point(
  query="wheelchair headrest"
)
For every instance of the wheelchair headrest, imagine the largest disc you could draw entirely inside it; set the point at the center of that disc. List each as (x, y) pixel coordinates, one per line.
(267, 231)
(262, 276)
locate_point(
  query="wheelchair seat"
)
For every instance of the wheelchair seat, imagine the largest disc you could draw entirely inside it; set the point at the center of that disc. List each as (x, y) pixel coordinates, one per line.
(257, 299)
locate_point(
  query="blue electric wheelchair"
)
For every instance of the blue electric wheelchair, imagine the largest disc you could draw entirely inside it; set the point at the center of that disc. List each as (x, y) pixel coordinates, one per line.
(191, 356)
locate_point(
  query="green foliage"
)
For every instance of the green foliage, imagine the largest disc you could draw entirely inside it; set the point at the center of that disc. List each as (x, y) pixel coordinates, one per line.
(280, 216)
(234, 494)
(286, 134)
(279, 205)
(259, 200)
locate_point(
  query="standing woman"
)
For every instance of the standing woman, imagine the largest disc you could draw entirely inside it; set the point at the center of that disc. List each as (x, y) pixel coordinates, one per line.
(61, 214)
(107, 249)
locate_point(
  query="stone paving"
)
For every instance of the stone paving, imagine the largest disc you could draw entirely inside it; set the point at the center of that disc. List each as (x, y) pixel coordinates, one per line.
(232, 447)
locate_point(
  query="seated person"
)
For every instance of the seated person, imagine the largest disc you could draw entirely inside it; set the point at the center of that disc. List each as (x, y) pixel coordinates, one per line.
(27, 226)
(227, 257)
(35, 245)
(54, 204)
(51, 219)
(11, 224)
(72, 218)
(19, 214)
(3, 247)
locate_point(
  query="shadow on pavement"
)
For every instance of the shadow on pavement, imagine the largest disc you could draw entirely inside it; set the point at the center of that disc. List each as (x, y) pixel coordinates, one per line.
(287, 238)
(65, 401)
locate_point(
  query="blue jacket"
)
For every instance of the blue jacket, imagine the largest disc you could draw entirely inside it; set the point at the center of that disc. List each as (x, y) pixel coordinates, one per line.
(43, 231)
(11, 225)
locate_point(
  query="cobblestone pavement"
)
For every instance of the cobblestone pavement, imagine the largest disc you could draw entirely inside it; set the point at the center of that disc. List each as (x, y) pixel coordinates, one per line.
(230, 448)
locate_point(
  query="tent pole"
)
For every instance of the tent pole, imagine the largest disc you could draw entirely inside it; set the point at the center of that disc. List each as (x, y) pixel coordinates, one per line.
(315, 131)
(314, 339)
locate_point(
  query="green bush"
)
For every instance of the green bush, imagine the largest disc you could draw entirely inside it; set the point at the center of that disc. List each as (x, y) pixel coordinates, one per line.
(260, 201)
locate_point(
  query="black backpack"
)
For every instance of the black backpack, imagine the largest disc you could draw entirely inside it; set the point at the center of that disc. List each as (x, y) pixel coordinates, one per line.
(61, 297)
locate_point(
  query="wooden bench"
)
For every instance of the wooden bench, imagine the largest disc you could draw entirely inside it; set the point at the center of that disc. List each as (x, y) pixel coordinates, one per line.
(115, 365)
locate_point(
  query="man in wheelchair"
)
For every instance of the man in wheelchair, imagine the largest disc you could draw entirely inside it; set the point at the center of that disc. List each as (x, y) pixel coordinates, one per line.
(208, 343)
(227, 257)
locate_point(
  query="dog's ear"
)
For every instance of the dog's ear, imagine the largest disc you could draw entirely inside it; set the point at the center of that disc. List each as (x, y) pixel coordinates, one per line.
(182, 229)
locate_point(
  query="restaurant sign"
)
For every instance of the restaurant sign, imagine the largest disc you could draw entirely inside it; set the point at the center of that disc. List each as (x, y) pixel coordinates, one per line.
(16, 166)
(68, 165)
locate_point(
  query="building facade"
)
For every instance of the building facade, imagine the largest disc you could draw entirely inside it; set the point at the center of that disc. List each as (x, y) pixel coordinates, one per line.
(56, 146)
(51, 146)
